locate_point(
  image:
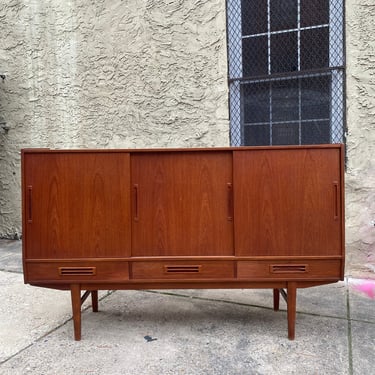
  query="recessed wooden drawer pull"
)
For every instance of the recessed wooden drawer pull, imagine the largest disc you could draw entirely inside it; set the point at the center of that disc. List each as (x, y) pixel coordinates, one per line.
(30, 201)
(289, 268)
(77, 271)
(182, 269)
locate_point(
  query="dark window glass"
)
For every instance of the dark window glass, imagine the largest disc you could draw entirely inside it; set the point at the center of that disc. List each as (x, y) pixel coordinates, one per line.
(286, 92)
(315, 97)
(284, 54)
(285, 100)
(254, 56)
(285, 134)
(314, 12)
(257, 135)
(256, 99)
(314, 48)
(254, 17)
(283, 14)
(315, 132)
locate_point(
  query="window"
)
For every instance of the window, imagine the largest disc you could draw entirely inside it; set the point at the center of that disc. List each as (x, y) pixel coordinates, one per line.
(286, 71)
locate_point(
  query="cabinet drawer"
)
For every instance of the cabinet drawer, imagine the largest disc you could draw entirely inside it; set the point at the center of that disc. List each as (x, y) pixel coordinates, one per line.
(76, 271)
(183, 270)
(301, 269)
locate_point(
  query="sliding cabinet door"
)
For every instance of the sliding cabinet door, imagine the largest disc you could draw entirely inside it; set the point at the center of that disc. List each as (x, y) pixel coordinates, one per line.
(182, 203)
(288, 201)
(76, 204)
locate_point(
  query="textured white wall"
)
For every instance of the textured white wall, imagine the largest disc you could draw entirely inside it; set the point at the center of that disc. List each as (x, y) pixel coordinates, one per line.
(108, 73)
(146, 73)
(360, 177)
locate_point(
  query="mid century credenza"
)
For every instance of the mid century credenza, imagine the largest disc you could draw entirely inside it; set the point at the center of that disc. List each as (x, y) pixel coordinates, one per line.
(241, 217)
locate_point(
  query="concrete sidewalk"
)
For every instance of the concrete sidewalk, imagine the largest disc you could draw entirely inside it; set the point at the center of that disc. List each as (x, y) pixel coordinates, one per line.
(182, 331)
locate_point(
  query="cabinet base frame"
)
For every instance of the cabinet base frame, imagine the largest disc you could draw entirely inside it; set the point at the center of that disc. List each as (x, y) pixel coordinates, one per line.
(290, 296)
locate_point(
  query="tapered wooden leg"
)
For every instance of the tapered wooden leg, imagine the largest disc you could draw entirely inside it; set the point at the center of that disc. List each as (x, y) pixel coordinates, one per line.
(75, 292)
(276, 299)
(292, 305)
(94, 300)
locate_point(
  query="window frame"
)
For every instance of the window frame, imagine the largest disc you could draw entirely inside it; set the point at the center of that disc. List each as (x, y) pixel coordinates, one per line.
(335, 69)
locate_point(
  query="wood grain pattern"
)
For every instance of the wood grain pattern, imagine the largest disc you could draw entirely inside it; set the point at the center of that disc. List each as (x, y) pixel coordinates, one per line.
(286, 202)
(182, 270)
(52, 271)
(254, 217)
(182, 204)
(79, 207)
(289, 270)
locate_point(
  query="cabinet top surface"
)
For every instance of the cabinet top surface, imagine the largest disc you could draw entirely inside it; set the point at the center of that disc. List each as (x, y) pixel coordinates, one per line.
(136, 150)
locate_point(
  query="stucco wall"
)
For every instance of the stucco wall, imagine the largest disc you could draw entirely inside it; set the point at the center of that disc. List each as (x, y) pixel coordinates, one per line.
(108, 73)
(360, 177)
(145, 73)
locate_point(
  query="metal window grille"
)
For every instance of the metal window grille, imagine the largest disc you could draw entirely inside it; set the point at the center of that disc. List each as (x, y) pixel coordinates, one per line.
(286, 71)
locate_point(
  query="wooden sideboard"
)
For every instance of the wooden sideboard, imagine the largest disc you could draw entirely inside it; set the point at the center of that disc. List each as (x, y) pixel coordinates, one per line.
(244, 217)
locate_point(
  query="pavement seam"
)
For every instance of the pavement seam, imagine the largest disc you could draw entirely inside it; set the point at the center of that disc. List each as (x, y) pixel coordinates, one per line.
(350, 343)
(11, 271)
(109, 292)
(251, 305)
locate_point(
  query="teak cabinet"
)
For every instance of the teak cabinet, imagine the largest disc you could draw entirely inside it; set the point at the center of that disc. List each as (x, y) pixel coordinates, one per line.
(244, 217)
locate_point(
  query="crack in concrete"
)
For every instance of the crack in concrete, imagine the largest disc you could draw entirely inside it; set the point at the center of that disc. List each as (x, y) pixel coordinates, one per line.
(109, 292)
